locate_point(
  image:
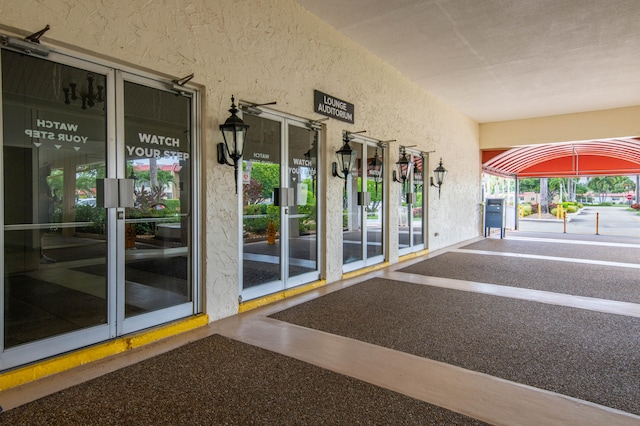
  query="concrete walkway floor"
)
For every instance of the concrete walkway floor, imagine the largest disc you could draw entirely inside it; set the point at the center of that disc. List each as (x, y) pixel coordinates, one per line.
(472, 393)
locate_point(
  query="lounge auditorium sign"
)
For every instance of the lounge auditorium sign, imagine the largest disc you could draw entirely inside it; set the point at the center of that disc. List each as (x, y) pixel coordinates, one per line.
(332, 107)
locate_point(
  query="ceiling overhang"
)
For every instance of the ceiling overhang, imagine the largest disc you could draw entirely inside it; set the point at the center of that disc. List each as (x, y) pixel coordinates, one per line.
(498, 60)
(589, 158)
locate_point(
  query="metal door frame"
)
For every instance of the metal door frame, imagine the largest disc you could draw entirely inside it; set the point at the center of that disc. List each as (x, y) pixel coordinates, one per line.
(362, 143)
(425, 205)
(115, 325)
(285, 282)
(139, 322)
(50, 346)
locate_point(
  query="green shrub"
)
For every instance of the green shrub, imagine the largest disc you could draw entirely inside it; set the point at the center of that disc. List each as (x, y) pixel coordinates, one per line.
(95, 215)
(307, 223)
(572, 204)
(172, 207)
(253, 209)
(265, 213)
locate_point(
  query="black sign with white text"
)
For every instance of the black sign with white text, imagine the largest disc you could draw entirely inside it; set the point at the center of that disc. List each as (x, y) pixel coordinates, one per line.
(332, 107)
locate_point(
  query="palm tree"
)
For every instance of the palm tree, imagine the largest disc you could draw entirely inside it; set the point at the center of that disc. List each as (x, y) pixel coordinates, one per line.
(544, 195)
(623, 184)
(602, 185)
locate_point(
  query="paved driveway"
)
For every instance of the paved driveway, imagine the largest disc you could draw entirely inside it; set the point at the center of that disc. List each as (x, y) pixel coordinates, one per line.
(616, 221)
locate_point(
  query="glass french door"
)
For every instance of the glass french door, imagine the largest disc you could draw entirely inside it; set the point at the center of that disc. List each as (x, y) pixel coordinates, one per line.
(412, 206)
(363, 208)
(158, 254)
(279, 205)
(74, 134)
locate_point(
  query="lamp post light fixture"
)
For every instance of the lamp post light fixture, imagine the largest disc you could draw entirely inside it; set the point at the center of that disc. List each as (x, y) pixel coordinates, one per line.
(312, 157)
(346, 159)
(439, 173)
(375, 169)
(417, 177)
(234, 132)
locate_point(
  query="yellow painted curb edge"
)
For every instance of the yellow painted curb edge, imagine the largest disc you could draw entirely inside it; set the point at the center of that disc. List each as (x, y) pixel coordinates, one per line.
(365, 270)
(256, 303)
(102, 350)
(413, 255)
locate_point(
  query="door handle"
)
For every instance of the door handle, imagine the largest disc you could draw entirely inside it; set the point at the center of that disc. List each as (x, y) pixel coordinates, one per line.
(364, 198)
(114, 193)
(283, 197)
(125, 192)
(107, 193)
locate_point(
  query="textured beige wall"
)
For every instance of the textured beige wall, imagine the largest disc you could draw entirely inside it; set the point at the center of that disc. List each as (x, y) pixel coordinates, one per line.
(606, 124)
(261, 51)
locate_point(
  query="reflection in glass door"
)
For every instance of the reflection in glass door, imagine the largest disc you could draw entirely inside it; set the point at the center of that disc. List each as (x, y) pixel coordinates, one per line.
(157, 126)
(352, 215)
(412, 206)
(302, 210)
(54, 123)
(262, 260)
(279, 205)
(363, 213)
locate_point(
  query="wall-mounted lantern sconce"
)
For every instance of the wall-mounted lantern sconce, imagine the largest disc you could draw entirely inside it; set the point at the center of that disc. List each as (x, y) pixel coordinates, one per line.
(346, 159)
(234, 132)
(439, 173)
(403, 168)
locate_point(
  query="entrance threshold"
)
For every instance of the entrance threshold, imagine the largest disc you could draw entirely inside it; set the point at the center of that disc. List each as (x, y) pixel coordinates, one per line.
(73, 359)
(284, 294)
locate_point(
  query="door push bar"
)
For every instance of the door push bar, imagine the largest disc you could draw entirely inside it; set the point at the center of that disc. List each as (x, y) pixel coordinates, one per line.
(364, 198)
(114, 193)
(284, 197)
(410, 198)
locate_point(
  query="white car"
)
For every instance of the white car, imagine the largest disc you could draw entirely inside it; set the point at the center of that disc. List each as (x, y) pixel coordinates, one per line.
(87, 202)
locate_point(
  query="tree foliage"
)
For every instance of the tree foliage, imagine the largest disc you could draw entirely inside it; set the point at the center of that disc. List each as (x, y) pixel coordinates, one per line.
(85, 181)
(568, 188)
(253, 192)
(529, 185)
(604, 185)
(268, 175)
(163, 177)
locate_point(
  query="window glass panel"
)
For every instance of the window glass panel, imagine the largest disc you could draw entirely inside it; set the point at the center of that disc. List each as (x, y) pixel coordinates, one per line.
(410, 215)
(352, 212)
(303, 160)
(374, 209)
(260, 217)
(158, 226)
(418, 206)
(54, 149)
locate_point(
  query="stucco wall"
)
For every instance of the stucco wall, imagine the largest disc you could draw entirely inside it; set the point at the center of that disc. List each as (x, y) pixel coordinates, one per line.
(261, 51)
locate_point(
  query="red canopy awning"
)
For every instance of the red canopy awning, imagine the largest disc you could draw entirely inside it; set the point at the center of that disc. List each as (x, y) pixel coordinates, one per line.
(607, 157)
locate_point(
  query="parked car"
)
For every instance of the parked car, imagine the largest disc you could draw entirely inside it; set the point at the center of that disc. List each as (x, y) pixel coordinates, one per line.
(86, 202)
